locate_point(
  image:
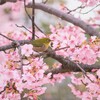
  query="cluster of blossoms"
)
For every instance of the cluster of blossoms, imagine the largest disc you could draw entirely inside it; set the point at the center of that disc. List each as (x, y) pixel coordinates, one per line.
(75, 45)
(72, 43)
(90, 2)
(16, 84)
(13, 83)
(85, 89)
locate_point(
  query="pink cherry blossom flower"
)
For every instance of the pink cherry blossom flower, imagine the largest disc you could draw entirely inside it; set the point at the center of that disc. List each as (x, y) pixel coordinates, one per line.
(75, 91)
(58, 78)
(90, 2)
(27, 50)
(13, 96)
(3, 58)
(87, 96)
(76, 81)
(98, 98)
(39, 74)
(16, 6)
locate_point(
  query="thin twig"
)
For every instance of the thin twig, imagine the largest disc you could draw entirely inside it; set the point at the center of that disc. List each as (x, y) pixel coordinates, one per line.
(57, 49)
(80, 7)
(6, 37)
(83, 82)
(83, 71)
(90, 9)
(22, 26)
(33, 20)
(26, 11)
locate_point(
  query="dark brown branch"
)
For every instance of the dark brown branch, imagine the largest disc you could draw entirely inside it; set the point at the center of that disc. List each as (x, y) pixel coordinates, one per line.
(4, 1)
(33, 19)
(33, 24)
(12, 45)
(76, 21)
(67, 65)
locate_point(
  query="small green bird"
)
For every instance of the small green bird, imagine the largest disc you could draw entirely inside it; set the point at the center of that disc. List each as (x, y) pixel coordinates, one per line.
(41, 45)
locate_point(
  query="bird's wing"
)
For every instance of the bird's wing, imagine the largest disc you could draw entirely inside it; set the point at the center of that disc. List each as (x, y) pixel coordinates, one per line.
(36, 44)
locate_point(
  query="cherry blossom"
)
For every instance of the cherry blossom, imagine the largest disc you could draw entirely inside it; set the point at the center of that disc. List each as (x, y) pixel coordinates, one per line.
(27, 50)
(90, 2)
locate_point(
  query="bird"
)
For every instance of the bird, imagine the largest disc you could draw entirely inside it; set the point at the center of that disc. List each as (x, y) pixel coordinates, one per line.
(41, 44)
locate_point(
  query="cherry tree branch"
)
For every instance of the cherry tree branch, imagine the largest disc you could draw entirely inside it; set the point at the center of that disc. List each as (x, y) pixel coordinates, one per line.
(33, 20)
(4, 1)
(64, 16)
(13, 45)
(68, 65)
(67, 17)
